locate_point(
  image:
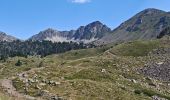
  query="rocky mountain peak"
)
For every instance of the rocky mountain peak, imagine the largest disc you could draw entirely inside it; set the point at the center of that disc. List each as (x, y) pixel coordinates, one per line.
(48, 31)
(43, 35)
(94, 30)
(2, 33)
(95, 23)
(151, 11)
(5, 37)
(90, 32)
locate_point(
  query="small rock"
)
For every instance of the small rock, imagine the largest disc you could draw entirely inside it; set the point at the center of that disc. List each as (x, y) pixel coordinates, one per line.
(57, 83)
(103, 70)
(42, 84)
(56, 98)
(51, 82)
(31, 80)
(160, 63)
(38, 87)
(158, 98)
(134, 81)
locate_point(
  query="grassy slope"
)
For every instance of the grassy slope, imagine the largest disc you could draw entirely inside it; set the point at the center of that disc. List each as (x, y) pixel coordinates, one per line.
(135, 48)
(81, 77)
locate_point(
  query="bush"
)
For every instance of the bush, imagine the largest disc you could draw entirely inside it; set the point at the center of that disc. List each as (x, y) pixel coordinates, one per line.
(138, 91)
(18, 63)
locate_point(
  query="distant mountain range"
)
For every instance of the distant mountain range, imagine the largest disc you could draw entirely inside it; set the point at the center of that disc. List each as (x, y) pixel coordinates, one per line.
(147, 24)
(88, 33)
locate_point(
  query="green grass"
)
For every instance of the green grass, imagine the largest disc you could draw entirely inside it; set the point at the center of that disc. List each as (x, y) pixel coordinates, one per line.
(4, 97)
(135, 48)
(81, 77)
(9, 68)
(150, 93)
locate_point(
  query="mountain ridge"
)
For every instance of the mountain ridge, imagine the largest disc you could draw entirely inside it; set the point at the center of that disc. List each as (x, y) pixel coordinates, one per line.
(145, 25)
(88, 33)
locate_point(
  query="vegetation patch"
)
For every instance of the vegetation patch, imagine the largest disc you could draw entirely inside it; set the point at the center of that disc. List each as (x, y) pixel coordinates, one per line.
(135, 48)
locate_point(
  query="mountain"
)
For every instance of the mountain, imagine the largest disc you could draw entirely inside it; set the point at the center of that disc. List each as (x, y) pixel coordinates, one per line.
(5, 37)
(88, 33)
(52, 35)
(145, 25)
(95, 30)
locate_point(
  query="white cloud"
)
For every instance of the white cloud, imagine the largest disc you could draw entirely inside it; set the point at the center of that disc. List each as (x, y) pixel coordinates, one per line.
(80, 1)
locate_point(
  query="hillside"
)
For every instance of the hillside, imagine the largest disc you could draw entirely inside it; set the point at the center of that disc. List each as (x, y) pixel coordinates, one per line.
(145, 25)
(134, 63)
(112, 72)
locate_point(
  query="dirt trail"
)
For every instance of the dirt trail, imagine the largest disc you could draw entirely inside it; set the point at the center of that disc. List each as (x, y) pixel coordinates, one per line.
(10, 89)
(8, 86)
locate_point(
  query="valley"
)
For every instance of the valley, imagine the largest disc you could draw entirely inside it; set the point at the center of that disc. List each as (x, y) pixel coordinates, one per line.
(92, 62)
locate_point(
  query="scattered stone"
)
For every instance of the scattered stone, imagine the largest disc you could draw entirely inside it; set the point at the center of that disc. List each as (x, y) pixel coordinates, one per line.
(159, 71)
(160, 63)
(158, 98)
(31, 80)
(51, 82)
(47, 81)
(114, 65)
(134, 81)
(56, 98)
(57, 83)
(24, 75)
(103, 70)
(44, 81)
(42, 84)
(37, 87)
(36, 80)
(45, 91)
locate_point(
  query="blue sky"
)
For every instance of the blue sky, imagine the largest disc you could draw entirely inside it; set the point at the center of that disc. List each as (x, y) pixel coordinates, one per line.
(23, 18)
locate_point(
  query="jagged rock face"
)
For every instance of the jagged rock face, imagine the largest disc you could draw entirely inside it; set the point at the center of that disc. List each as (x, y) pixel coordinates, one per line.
(89, 33)
(95, 30)
(5, 37)
(145, 25)
(53, 35)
